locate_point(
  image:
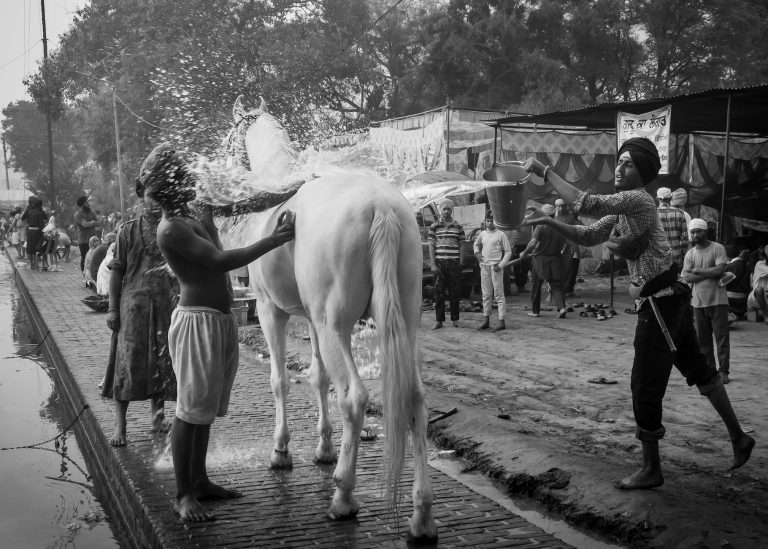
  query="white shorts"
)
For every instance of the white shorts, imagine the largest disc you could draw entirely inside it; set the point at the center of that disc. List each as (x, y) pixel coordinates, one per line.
(204, 352)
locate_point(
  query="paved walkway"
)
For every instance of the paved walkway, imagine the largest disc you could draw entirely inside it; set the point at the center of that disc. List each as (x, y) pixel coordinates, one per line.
(279, 509)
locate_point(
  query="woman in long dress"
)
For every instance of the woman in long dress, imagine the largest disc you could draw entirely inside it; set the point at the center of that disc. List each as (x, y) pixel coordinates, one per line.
(142, 294)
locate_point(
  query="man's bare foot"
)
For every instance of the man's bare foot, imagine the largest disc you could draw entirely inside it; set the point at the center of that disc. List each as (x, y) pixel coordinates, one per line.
(190, 510)
(209, 490)
(641, 479)
(742, 449)
(118, 437)
(160, 425)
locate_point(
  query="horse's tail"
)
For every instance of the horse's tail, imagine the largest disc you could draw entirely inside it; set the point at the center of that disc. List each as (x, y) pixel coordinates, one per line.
(397, 352)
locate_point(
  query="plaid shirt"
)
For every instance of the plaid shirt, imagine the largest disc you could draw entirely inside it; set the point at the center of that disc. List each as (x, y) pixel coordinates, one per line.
(676, 227)
(631, 212)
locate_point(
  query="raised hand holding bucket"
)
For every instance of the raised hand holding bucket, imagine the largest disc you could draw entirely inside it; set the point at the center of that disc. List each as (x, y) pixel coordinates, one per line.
(509, 197)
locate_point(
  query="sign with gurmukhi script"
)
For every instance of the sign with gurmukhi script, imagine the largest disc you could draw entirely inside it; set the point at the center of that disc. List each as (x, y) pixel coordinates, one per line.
(654, 125)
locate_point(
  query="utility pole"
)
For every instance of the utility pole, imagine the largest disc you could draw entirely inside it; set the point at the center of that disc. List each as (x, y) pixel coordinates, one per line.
(48, 118)
(5, 160)
(117, 143)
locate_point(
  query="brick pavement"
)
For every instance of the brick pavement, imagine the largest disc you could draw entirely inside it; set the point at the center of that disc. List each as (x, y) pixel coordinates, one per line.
(279, 508)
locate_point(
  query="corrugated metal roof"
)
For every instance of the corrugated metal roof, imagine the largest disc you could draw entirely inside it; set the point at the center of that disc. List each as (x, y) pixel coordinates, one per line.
(695, 111)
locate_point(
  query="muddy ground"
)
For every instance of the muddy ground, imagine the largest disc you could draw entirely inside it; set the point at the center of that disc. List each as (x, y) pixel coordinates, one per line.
(567, 440)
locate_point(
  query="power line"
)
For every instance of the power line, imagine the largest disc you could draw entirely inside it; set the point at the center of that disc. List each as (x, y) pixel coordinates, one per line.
(20, 55)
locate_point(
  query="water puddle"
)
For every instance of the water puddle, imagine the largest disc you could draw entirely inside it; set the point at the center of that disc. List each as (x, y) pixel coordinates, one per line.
(47, 496)
(530, 510)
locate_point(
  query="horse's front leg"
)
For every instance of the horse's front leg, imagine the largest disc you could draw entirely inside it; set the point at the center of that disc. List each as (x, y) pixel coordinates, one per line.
(273, 322)
(352, 398)
(325, 452)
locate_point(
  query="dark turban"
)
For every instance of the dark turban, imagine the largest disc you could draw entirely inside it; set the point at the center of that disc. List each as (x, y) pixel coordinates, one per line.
(644, 155)
(163, 174)
(82, 200)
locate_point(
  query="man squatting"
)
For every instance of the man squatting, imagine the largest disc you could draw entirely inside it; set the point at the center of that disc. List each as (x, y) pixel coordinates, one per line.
(203, 333)
(643, 242)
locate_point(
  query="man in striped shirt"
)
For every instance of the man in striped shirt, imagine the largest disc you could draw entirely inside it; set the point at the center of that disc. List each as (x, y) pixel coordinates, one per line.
(444, 237)
(642, 241)
(675, 225)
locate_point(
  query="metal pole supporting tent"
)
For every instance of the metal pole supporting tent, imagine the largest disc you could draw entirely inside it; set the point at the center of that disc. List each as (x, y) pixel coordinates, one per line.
(721, 224)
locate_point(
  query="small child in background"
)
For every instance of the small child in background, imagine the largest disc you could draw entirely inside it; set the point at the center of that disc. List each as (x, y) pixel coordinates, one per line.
(66, 243)
(93, 243)
(51, 237)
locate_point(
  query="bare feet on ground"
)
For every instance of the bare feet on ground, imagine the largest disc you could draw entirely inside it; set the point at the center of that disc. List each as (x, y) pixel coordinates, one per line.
(641, 479)
(209, 490)
(190, 510)
(118, 437)
(742, 449)
(159, 424)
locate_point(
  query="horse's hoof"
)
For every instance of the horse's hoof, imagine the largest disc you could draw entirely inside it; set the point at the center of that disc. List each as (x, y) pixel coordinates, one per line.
(280, 460)
(421, 541)
(347, 515)
(326, 460)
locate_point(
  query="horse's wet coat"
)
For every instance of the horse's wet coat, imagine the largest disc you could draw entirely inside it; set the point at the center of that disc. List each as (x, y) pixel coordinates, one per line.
(357, 250)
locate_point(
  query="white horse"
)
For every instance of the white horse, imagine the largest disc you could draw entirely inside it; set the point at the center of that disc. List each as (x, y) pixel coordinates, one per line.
(357, 252)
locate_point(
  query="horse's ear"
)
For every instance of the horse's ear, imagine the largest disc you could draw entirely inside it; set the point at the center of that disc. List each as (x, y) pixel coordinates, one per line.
(263, 106)
(238, 110)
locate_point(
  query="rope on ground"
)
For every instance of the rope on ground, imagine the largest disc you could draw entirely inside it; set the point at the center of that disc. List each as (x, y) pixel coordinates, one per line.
(56, 438)
(34, 349)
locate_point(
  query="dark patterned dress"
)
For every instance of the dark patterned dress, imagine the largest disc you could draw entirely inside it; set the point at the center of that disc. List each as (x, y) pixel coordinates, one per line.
(140, 363)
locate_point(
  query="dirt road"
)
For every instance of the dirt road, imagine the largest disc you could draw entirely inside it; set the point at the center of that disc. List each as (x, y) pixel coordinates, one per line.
(567, 440)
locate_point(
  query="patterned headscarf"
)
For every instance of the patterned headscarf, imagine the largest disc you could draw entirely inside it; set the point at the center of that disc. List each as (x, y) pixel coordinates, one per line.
(163, 175)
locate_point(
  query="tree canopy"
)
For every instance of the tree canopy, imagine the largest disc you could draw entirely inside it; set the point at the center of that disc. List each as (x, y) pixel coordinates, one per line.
(173, 68)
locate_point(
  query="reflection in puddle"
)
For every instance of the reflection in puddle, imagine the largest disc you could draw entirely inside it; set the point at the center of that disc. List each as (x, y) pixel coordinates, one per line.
(47, 496)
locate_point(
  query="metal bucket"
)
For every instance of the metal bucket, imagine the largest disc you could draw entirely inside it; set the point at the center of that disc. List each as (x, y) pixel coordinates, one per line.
(508, 201)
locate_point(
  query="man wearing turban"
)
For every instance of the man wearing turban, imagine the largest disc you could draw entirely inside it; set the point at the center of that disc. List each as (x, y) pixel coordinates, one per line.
(641, 240)
(445, 253)
(675, 225)
(704, 264)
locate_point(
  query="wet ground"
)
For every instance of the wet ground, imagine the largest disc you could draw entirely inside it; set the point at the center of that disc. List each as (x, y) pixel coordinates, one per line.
(47, 495)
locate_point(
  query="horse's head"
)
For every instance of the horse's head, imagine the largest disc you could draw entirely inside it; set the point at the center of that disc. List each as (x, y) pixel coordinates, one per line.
(258, 141)
(242, 111)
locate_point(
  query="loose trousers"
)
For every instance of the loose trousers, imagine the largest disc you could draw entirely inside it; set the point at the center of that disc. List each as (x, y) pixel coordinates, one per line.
(492, 285)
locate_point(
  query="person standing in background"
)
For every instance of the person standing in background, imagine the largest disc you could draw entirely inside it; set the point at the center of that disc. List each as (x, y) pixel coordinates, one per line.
(704, 264)
(678, 200)
(572, 256)
(546, 247)
(675, 224)
(87, 223)
(493, 253)
(36, 220)
(444, 237)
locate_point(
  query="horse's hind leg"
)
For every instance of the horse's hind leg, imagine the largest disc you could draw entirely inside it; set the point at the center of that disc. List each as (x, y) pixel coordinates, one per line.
(422, 526)
(273, 322)
(325, 452)
(352, 397)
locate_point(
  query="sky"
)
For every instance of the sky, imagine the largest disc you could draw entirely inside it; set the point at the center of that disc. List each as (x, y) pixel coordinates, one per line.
(21, 46)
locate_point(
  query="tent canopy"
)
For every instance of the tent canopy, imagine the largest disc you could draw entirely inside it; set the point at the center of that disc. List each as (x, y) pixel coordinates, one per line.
(693, 112)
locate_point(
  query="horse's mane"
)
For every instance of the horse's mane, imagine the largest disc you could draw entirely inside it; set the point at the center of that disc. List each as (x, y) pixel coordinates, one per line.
(236, 183)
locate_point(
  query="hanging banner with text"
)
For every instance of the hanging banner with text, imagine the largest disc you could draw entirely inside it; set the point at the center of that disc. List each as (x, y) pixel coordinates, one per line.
(654, 125)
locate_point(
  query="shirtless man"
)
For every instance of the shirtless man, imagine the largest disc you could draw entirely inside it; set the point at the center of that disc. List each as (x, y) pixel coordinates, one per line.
(203, 333)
